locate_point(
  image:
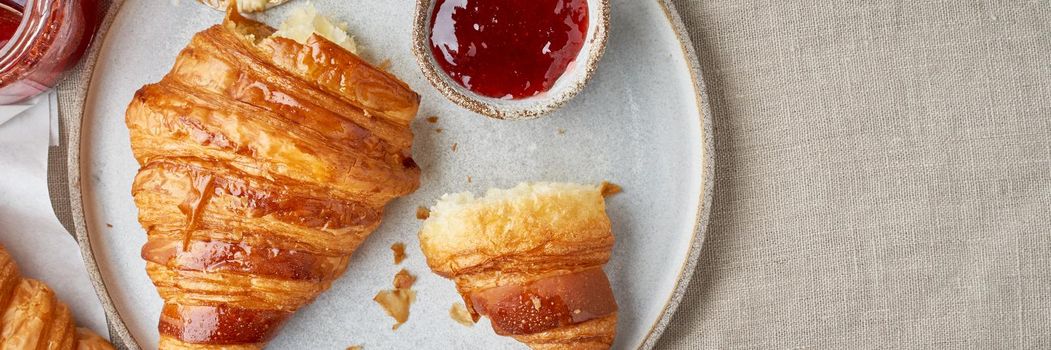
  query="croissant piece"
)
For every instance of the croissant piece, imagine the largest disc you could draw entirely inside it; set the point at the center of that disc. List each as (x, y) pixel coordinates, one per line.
(33, 318)
(243, 5)
(530, 258)
(264, 163)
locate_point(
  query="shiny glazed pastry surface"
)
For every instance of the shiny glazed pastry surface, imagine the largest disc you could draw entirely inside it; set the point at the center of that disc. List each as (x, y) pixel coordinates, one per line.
(32, 318)
(530, 258)
(265, 162)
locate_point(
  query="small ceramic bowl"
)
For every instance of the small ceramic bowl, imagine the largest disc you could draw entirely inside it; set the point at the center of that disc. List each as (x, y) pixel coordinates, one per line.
(565, 88)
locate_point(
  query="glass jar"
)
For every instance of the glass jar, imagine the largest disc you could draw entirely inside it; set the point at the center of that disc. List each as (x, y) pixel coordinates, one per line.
(51, 37)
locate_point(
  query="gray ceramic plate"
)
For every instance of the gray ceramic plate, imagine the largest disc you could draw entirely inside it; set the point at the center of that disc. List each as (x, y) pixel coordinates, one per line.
(642, 122)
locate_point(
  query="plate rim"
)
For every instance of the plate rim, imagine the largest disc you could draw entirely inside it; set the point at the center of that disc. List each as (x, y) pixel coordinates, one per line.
(119, 329)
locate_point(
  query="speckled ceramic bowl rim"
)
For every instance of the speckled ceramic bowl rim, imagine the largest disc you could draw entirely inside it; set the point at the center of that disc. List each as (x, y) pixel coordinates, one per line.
(121, 336)
(529, 108)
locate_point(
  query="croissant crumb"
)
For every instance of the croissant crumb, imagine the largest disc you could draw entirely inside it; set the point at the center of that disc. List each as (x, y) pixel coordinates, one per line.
(609, 189)
(385, 65)
(399, 252)
(459, 313)
(396, 302)
(404, 280)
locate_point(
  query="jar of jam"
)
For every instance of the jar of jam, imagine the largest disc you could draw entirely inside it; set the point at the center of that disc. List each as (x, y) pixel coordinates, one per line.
(38, 40)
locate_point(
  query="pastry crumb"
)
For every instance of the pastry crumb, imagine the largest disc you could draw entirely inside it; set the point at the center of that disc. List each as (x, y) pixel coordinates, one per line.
(432, 119)
(396, 302)
(459, 313)
(561, 131)
(454, 146)
(385, 65)
(536, 302)
(468, 178)
(422, 213)
(609, 189)
(399, 252)
(109, 225)
(355, 347)
(404, 280)
(439, 130)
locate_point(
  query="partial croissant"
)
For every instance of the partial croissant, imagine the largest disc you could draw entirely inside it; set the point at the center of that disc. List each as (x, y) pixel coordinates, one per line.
(530, 258)
(243, 5)
(265, 162)
(34, 319)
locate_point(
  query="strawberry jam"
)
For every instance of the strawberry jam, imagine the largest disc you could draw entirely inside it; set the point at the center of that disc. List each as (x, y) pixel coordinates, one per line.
(507, 49)
(10, 18)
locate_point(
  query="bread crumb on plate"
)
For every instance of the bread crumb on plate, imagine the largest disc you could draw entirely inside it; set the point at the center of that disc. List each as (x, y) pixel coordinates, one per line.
(396, 302)
(399, 252)
(609, 189)
(458, 312)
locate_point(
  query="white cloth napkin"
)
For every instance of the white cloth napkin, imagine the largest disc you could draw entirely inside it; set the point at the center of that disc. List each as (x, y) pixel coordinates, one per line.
(28, 226)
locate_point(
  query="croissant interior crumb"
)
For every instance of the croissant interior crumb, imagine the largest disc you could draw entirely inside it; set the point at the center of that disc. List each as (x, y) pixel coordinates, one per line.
(505, 222)
(458, 312)
(304, 20)
(251, 5)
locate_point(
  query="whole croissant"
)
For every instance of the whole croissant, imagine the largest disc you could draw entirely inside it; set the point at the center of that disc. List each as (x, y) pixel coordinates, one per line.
(34, 319)
(530, 258)
(265, 162)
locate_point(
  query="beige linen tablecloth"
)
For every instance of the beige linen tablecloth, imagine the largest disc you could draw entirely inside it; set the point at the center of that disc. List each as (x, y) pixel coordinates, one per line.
(883, 175)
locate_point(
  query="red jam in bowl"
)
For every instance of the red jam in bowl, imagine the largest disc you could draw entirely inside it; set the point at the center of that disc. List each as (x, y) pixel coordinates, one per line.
(508, 49)
(48, 37)
(10, 18)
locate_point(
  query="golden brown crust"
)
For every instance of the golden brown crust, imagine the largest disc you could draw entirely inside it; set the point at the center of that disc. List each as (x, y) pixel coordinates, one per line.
(31, 317)
(551, 233)
(170, 343)
(264, 164)
(88, 340)
(596, 334)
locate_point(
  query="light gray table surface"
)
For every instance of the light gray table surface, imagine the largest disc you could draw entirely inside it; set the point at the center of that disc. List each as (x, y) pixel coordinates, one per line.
(883, 175)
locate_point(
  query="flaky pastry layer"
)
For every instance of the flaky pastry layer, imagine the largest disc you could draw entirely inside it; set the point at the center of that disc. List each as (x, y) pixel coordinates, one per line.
(532, 232)
(31, 317)
(264, 163)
